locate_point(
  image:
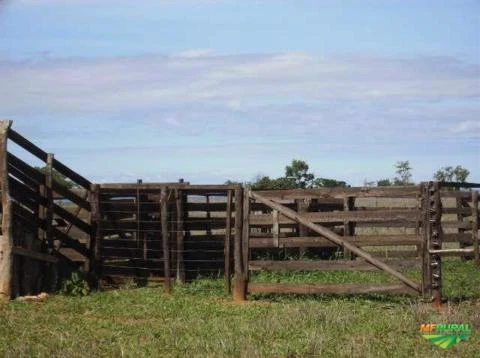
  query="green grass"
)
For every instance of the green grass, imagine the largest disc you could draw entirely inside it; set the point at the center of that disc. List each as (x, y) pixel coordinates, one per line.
(199, 320)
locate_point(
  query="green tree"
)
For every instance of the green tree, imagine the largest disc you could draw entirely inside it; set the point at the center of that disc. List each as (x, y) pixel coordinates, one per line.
(58, 177)
(298, 170)
(450, 174)
(328, 183)
(384, 182)
(404, 173)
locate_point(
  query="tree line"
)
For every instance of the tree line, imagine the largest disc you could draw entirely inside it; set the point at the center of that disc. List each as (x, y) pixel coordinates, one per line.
(297, 174)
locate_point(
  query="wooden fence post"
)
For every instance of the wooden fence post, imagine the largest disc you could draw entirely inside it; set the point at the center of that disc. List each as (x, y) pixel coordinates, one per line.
(165, 238)
(95, 236)
(239, 293)
(435, 241)
(180, 236)
(475, 227)
(6, 240)
(348, 226)
(227, 245)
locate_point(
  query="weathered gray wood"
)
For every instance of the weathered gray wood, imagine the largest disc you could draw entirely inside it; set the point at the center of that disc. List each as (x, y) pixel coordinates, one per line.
(49, 201)
(342, 216)
(275, 229)
(6, 239)
(325, 265)
(245, 232)
(345, 288)
(239, 292)
(165, 238)
(475, 236)
(365, 192)
(179, 199)
(228, 244)
(336, 239)
(36, 255)
(359, 240)
(452, 252)
(348, 226)
(96, 230)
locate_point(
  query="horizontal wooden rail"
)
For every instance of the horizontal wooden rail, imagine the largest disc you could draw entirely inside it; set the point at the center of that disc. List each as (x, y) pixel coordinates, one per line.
(69, 173)
(325, 265)
(341, 216)
(65, 214)
(345, 288)
(29, 171)
(70, 195)
(36, 255)
(27, 145)
(453, 252)
(316, 241)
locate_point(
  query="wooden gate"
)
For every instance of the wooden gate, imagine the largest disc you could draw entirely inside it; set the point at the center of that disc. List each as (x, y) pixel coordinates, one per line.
(406, 221)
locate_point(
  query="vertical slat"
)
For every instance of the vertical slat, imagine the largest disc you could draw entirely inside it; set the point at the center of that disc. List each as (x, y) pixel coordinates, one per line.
(6, 239)
(96, 234)
(239, 293)
(302, 207)
(436, 236)
(246, 232)
(165, 237)
(180, 236)
(49, 200)
(276, 229)
(475, 227)
(227, 247)
(348, 227)
(424, 205)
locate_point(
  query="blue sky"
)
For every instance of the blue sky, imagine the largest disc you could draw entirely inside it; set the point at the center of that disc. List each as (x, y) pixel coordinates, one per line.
(211, 90)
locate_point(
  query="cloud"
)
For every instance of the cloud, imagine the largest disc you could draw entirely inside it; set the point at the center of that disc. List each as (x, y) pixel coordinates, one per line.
(112, 85)
(467, 127)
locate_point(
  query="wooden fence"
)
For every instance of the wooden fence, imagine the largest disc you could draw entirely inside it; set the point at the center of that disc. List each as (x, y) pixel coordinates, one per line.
(178, 231)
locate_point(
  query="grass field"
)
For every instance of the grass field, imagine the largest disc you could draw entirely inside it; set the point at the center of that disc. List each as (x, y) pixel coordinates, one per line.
(199, 320)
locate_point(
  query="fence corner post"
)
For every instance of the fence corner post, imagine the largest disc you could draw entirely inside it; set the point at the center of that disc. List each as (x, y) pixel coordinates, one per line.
(239, 292)
(6, 239)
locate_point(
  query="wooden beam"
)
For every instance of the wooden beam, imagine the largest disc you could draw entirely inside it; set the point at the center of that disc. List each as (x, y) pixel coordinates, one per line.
(179, 200)
(327, 265)
(96, 231)
(27, 145)
(40, 256)
(239, 293)
(344, 288)
(228, 244)
(6, 239)
(475, 236)
(165, 238)
(336, 239)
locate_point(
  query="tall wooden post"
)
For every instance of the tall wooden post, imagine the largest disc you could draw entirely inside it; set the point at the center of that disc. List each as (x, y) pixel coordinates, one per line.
(49, 200)
(96, 234)
(435, 234)
(475, 227)
(6, 240)
(302, 207)
(180, 236)
(239, 293)
(228, 244)
(165, 238)
(348, 226)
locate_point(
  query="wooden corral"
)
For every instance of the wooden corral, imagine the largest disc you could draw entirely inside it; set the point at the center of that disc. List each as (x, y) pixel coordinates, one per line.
(175, 232)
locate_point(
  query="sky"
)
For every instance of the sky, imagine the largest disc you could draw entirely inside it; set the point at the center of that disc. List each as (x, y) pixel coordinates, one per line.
(210, 90)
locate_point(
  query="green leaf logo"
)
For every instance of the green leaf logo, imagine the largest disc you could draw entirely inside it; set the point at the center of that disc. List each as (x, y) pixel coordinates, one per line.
(446, 340)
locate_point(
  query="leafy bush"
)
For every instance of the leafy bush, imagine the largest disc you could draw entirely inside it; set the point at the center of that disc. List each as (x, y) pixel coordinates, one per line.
(75, 286)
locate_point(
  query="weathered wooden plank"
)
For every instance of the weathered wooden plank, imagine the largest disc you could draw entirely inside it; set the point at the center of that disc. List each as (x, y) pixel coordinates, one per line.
(475, 236)
(452, 252)
(32, 173)
(70, 195)
(467, 225)
(96, 230)
(165, 238)
(27, 145)
(79, 223)
(71, 243)
(324, 265)
(72, 175)
(345, 288)
(6, 239)
(228, 245)
(336, 239)
(25, 179)
(179, 201)
(365, 192)
(36, 255)
(360, 240)
(341, 217)
(239, 293)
